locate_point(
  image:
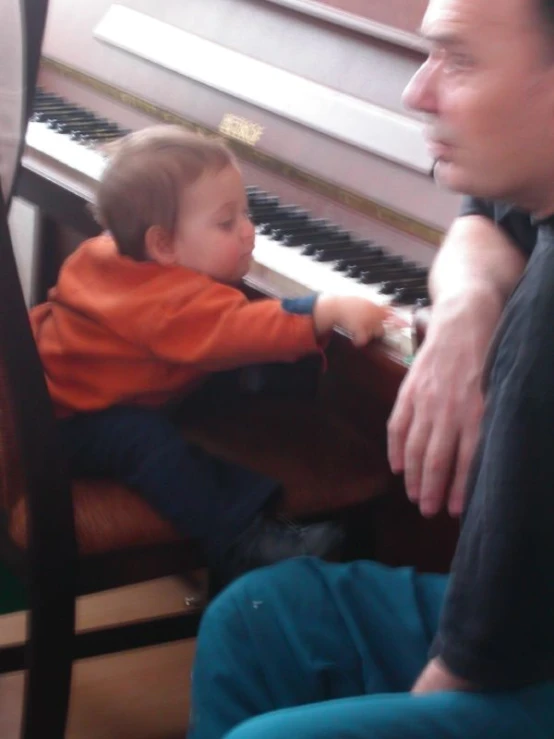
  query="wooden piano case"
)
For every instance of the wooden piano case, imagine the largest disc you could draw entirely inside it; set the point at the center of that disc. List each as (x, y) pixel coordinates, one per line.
(326, 437)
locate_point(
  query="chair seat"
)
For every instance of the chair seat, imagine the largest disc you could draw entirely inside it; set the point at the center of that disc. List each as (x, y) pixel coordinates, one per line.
(108, 517)
(324, 465)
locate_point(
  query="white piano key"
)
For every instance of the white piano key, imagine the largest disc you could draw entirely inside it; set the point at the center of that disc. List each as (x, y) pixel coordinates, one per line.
(84, 160)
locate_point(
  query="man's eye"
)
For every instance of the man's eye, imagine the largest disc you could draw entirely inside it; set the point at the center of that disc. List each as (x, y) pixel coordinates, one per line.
(457, 62)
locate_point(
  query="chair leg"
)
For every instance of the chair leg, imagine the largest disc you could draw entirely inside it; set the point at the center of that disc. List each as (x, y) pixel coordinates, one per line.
(51, 629)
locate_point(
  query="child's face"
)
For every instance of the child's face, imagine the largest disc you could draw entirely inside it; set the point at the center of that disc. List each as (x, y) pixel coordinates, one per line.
(214, 234)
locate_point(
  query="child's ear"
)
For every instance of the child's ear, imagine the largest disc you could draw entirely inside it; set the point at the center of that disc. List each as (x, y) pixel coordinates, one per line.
(159, 246)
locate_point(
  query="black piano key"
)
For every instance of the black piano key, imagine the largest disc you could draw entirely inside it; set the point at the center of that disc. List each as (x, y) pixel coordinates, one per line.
(310, 235)
(283, 213)
(280, 227)
(259, 203)
(398, 271)
(349, 257)
(379, 273)
(408, 296)
(367, 264)
(94, 138)
(54, 105)
(70, 113)
(88, 126)
(363, 261)
(289, 217)
(272, 210)
(423, 302)
(332, 251)
(256, 193)
(389, 286)
(280, 233)
(58, 124)
(327, 240)
(77, 129)
(324, 243)
(359, 270)
(98, 133)
(42, 94)
(46, 116)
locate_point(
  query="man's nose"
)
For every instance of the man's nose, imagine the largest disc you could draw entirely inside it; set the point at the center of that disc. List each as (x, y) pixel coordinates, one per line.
(420, 93)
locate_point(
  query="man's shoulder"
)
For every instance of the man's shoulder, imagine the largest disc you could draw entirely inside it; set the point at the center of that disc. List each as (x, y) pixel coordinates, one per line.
(496, 210)
(517, 223)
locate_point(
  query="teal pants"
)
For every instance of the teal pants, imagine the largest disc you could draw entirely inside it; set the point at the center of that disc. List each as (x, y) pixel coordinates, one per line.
(310, 650)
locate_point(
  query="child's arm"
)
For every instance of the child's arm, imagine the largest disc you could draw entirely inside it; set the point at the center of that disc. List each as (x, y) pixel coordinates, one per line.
(358, 317)
(219, 328)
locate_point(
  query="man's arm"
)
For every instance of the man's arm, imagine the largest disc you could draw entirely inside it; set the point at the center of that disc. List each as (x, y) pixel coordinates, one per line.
(435, 423)
(477, 256)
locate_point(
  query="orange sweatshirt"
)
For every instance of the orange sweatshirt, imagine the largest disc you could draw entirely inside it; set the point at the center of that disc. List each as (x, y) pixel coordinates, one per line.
(119, 331)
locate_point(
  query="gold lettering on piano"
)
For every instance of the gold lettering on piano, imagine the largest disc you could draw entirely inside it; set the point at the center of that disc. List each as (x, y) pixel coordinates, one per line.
(241, 129)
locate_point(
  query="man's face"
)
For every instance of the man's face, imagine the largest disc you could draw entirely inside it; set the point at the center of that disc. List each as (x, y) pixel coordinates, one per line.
(487, 90)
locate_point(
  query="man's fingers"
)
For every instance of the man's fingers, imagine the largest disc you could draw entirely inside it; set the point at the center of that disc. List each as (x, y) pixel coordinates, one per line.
(466, 451)
(397, 430)
(437, 467)
(416, 444)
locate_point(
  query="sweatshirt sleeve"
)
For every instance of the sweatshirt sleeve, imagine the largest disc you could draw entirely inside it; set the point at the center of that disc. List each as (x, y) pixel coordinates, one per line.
(516, 224)
(496, 627)
(219, 328)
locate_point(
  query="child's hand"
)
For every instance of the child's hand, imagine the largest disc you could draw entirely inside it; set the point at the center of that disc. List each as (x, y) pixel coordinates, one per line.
(358, 317)
(361, 319)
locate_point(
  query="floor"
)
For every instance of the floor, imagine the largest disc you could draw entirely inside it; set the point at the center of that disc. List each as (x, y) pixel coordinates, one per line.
(141, 694)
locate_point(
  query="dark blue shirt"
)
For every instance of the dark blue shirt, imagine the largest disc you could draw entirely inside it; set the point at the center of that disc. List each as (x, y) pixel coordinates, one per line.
(496, 627)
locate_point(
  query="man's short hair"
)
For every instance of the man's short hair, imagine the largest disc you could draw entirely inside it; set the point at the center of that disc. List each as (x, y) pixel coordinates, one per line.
(144, 181)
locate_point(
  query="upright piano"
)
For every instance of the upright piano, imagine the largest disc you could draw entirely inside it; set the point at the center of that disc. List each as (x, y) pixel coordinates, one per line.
(308, 95)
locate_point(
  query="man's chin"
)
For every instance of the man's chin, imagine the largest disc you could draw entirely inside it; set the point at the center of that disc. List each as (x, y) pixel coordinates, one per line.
(450, 177)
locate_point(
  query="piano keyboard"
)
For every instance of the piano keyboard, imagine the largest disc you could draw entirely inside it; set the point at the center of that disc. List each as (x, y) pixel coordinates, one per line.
(295, 254)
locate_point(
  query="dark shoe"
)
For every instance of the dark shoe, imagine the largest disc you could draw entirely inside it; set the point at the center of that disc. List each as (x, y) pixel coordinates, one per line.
(268, 541)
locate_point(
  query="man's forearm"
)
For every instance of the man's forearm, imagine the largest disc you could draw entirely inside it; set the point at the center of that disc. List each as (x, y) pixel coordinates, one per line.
(477, 259)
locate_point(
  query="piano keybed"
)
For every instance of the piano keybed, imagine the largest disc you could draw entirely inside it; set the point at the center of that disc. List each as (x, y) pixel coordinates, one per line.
(295, 253)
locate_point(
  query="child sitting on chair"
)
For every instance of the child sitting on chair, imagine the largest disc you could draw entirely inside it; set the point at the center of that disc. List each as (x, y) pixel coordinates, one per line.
(144, 313)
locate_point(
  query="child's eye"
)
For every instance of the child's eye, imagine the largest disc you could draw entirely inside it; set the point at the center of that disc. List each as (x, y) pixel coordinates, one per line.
(227, 225)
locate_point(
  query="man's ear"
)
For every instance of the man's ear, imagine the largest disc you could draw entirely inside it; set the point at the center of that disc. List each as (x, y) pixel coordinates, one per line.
(158, 246)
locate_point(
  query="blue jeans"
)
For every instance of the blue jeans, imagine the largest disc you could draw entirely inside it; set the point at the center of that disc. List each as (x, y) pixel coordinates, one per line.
(311, 650)
(203, 497)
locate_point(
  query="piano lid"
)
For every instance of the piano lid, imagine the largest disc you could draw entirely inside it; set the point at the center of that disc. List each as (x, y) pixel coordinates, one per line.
(316, 96)
(392, 20)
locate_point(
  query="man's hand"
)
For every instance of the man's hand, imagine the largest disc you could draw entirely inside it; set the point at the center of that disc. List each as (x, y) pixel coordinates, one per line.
(434, 426)
(436, 677)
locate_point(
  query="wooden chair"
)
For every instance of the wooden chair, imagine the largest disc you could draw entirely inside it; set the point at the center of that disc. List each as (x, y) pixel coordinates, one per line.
(65, 540)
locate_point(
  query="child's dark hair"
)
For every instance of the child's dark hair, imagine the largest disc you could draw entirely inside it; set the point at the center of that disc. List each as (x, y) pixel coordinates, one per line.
(143, 183)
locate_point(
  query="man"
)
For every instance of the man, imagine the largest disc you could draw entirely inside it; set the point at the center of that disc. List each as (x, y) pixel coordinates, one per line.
(309, 649)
